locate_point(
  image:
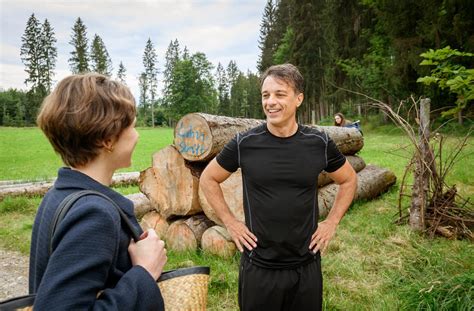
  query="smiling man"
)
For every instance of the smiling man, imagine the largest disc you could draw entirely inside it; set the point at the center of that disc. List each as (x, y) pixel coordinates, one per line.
(280, 160)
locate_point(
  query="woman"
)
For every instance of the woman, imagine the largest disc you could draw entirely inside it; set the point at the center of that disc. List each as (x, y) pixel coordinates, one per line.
(339, 119)
(89, 120)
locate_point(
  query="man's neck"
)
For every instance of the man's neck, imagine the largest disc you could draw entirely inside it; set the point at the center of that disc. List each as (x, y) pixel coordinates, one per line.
(284, 131)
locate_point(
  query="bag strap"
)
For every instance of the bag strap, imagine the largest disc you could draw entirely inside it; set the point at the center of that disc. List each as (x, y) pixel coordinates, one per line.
(69, 201)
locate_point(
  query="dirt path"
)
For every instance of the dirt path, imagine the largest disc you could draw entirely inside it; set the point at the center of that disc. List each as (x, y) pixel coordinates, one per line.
(13, 274)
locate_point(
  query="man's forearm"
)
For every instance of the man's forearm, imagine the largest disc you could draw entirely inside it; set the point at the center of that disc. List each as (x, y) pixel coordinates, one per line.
(343, 200)
(215, 197)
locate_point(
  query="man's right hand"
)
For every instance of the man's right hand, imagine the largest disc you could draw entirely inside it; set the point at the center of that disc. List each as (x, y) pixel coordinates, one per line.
(149, 252)
(241, 235)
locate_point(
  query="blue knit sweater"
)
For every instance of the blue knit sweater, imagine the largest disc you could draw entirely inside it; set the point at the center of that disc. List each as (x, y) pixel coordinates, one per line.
(90, 253)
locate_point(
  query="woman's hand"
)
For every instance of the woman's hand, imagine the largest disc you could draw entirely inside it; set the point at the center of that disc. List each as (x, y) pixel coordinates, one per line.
(149, 252)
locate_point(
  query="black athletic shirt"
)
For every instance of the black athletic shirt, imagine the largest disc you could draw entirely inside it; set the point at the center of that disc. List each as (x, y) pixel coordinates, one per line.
(280, 180)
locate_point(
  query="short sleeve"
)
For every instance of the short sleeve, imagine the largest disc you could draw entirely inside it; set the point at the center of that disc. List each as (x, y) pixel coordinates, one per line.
(335, 159)
(228, 158)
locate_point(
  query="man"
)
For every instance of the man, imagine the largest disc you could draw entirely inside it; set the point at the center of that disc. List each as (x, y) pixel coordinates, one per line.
(280, 161)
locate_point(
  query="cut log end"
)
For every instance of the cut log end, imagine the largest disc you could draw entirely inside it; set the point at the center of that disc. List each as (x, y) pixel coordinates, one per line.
(217, 241)
(193, 137)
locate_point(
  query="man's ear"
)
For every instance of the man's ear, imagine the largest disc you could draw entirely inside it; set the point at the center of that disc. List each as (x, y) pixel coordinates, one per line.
(300, 99)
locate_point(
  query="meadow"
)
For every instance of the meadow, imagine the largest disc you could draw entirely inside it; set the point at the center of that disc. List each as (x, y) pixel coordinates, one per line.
(372, 263)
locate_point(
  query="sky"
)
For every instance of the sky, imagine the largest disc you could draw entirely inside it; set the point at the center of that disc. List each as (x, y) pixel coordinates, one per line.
(222, 29)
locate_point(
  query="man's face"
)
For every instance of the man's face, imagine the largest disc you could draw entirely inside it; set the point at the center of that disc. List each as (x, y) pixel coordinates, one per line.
(279, 102)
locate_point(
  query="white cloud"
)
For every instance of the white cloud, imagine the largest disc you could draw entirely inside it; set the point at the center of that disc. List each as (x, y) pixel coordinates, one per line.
(224, 30)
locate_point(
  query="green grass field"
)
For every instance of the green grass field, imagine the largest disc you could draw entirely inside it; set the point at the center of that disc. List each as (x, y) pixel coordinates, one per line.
(372, 264)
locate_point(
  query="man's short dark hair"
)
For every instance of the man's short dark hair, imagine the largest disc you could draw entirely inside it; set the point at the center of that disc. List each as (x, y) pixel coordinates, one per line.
(286, 72)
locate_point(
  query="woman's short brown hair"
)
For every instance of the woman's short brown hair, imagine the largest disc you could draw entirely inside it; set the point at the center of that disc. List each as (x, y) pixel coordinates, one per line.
(286, 72)
(83, 112)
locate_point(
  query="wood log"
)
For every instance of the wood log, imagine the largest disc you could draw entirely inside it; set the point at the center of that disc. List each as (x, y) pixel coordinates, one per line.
(200, 136)
(372, 181)
(233, 194)
(153, 220)
(356, 162)
(170, 185)
(217, 241)
(185, 234)
(16, 188)
(141, 204)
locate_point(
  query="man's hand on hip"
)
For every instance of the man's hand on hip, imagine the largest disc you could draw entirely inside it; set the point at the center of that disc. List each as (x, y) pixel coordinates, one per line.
(241, 235)
(323, 235)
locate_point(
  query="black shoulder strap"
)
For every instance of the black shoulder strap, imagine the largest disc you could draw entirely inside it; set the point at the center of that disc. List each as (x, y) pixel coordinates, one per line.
(69, 201)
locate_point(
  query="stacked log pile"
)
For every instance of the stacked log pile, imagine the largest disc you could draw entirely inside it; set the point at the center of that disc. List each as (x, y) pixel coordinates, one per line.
(181, 214)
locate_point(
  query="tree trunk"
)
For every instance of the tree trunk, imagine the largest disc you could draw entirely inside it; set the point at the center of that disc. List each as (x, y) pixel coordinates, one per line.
(200, 137)
(421, 174)
(371, 182)
(186, 234)
(141, 204)
(15, 188)
(170, 185)
(217, 241)
(153, 220)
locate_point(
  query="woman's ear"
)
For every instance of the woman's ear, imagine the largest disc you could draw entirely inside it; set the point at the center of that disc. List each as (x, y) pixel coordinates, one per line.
(108, 145)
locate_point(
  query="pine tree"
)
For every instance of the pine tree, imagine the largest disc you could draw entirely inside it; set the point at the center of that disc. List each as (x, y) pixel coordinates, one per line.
(101, 62)
(232, 72)
(143, 87)
(171, 57)
(121, 74)
(222, 90)
(31, 53)
(48, 55)
(268, 39)
(32, 59)
(79, 61)
(151, 72)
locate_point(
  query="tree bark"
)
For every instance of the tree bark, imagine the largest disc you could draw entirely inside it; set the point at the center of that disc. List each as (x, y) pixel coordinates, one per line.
(141, 204)
(200, 136)
(186, 234)
(217, 241)
(153, 220)
(170, 185)
(421, 174)
(372, 181)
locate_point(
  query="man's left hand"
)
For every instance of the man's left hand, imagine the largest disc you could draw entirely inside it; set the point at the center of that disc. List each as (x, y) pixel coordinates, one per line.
(323, 235)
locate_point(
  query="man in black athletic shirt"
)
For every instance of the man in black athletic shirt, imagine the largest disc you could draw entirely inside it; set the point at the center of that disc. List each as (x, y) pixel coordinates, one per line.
(280, 161)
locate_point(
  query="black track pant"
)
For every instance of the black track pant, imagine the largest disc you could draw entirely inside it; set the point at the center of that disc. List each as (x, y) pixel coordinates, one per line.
(296, 289)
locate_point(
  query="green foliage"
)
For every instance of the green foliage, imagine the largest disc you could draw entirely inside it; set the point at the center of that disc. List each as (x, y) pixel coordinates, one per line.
(450, 74)
(282, 53)
(79, 60)
(191, 87)
(100, 58)
(48, 54)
